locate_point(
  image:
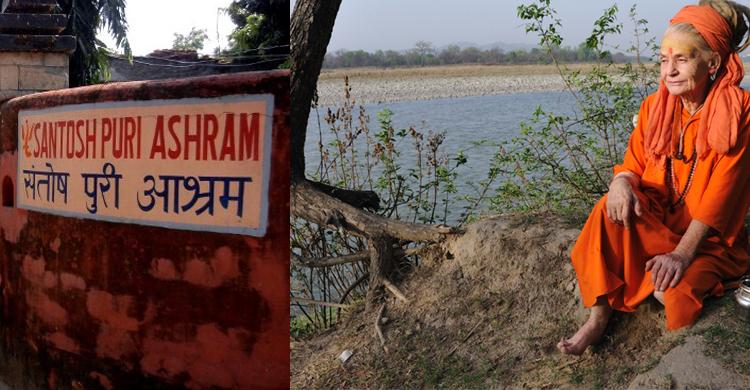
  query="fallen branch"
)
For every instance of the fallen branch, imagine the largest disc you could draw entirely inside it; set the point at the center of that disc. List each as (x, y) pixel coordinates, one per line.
(378, 330)
(359, 199)
(316, 206)
(471, 332)
(319, 303)
(394, 290)
(331, 261)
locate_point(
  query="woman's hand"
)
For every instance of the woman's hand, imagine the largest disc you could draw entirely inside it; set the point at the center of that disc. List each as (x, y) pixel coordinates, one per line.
(621, 201)
(667, 269)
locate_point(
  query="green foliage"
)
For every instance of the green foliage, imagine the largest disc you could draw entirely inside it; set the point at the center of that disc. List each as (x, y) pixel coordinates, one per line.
(563, 163)
(423, 54)
(725, 334)
(302, 327)
(248, 36)
(194, 40)
(559, 163)
(262, 32)
(89, 63)
(408, 169)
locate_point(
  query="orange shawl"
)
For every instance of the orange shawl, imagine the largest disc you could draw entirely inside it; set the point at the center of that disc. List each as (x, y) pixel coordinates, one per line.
(719, 123)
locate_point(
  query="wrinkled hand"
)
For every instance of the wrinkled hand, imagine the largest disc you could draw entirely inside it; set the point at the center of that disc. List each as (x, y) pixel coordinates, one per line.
(667, 269)
(621, 202)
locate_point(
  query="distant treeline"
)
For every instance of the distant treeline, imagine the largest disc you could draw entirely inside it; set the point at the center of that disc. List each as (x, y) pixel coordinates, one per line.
(423, 54)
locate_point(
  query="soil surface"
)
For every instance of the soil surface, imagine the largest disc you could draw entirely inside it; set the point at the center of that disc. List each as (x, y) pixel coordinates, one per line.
(486, 309)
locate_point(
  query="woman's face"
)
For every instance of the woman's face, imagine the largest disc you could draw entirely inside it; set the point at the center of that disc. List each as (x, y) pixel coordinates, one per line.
(684, 67)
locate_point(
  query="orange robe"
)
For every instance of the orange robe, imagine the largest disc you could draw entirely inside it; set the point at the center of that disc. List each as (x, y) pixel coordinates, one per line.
(610, 260)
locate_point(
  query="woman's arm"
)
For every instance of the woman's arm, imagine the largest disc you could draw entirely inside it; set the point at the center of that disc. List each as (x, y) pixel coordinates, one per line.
(667, 269)
(632, 178)
(621, 199)
(692, 239)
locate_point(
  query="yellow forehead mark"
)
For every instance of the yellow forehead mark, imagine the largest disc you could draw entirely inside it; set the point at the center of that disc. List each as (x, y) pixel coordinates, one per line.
(677, 45)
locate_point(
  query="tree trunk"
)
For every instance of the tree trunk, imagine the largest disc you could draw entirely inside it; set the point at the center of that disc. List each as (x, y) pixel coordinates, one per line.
(381, 266)
(311, 28)
(315, 206)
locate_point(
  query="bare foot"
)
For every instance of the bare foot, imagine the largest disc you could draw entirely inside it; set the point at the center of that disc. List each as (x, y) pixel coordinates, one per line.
(659, 295)
(589, 333)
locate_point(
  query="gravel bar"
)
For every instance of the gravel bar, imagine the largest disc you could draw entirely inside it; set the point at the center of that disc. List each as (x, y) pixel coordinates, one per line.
(382, 90)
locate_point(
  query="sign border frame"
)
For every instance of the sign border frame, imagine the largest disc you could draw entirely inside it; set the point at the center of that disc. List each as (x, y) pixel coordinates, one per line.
(262, 228)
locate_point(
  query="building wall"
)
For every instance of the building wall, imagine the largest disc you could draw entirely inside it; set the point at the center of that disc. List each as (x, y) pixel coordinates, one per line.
(90, 304)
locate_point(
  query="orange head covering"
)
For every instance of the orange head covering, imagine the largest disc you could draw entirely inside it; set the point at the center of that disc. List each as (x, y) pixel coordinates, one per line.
(718, 125)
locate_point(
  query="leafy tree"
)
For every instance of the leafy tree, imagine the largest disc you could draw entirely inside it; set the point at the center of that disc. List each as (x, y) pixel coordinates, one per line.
(424, 48)
(450, 55)
(194, 40)
(248, 36)
(325, 205)
(470, 55)
(563, 163)
(424, 54)
(89, 63)
(260, 24)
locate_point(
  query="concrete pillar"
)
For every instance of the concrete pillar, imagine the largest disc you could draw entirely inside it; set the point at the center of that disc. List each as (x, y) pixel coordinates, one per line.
(34, 57)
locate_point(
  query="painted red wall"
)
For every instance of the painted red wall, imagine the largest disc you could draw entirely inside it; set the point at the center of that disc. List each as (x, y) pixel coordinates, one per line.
(111, 305)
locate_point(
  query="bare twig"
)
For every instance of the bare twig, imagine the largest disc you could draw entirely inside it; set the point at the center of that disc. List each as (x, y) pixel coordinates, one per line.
(471, 332)
(319, 303)
(351, 288)
(354, 285)
(331, 261)
(394, 290)
(378, 330)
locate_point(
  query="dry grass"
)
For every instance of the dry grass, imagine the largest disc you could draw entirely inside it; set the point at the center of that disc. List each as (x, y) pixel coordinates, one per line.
(449, 71)
(452, 71)
(489, 316)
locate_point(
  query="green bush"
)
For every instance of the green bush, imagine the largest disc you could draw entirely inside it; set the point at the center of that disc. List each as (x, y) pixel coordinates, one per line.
(563, 163)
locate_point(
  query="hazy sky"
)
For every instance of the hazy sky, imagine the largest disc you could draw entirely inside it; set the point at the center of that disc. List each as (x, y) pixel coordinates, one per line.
(398, 24)
(153, 23)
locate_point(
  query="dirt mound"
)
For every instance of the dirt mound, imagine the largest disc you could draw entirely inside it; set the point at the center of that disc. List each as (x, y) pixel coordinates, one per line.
(486, 310)
(687, 366)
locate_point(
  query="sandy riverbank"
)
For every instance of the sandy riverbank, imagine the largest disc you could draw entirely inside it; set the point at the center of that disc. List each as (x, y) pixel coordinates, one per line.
(370, 85)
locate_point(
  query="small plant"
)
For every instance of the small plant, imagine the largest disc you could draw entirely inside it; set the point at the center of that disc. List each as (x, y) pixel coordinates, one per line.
(563, 163)
(558, 163)
(352, 155)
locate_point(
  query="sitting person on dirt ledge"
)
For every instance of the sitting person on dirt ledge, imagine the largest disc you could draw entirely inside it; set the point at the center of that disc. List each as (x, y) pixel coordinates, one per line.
(672, 221)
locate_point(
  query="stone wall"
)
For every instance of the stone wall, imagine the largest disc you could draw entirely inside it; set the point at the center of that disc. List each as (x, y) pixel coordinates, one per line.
(27, 72)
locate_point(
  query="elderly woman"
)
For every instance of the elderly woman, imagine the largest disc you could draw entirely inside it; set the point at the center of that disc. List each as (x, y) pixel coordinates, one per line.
(672, 223)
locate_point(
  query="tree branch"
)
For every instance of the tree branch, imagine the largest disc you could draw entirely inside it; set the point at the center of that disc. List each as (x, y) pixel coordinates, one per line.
(306, 301)
(359, 199)
(315, 206)
(331, 261)
(394, 290)
(378, 330)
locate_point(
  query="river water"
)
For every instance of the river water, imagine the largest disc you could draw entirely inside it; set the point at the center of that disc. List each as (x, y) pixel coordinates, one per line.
(464, 120)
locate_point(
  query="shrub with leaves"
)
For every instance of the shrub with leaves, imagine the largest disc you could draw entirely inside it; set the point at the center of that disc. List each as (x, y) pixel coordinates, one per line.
(563, 162)
(352, 155)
